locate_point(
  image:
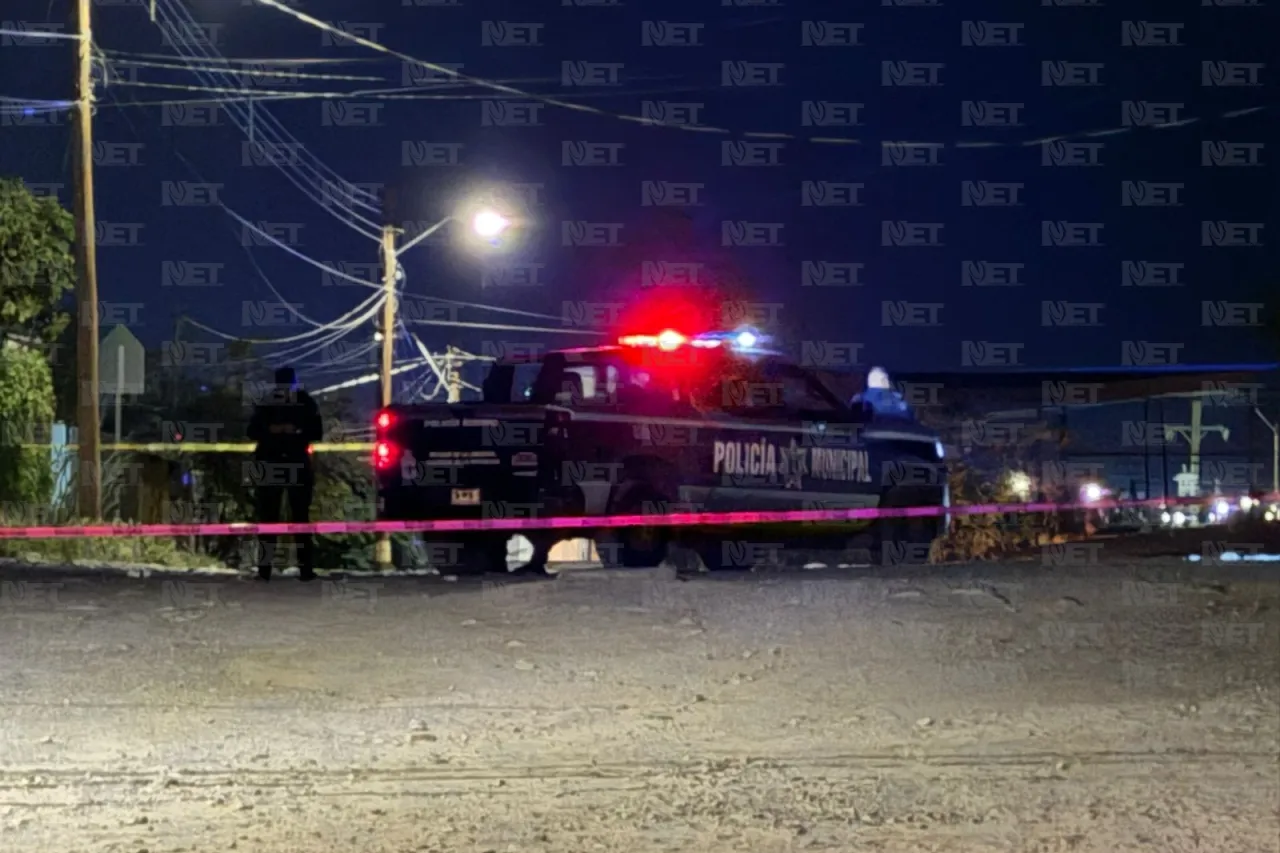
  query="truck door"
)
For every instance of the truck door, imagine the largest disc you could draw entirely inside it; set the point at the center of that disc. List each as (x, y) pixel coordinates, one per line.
(754, 453)
(840, 471)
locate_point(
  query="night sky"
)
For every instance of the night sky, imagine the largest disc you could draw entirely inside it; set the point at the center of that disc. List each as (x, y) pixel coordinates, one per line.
(977, 298)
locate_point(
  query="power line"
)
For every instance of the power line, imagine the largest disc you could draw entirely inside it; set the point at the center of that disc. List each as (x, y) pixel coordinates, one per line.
(501, 328)
(312, 60)
(514, 311)
(210, 53)
(36, 35)
(309, 176)
(651, 122)
(375, 301)
(297, 254)
(397, 93)
(292, 75)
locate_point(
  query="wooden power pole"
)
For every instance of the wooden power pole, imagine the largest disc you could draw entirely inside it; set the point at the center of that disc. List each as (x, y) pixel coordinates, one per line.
(389, 274)
(389, 270)
(88, 421)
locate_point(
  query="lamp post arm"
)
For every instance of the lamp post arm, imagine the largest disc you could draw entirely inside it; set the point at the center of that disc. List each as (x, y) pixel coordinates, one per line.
(424, 235)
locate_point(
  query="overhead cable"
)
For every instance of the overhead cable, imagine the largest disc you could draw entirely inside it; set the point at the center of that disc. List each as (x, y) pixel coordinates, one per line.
(651, 122)
(308, 174)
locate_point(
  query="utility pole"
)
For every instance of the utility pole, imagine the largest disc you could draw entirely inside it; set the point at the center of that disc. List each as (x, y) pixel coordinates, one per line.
(389, 275)
(389, 271)
(454, 375)
(1275, 450)
(1193, 434)
(88, 420)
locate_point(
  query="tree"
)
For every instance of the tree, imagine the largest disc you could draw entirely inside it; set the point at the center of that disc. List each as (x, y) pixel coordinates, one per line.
(26, 413)
(37, 267)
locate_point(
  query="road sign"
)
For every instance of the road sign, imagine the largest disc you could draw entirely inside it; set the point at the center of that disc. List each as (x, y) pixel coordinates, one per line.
(121, 363)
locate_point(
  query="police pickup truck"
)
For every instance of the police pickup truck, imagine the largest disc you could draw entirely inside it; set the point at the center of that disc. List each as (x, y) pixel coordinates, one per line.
(658, 424)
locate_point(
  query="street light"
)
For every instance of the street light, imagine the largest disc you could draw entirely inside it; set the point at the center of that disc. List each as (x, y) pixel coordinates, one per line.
(489, 224)
(486, 223)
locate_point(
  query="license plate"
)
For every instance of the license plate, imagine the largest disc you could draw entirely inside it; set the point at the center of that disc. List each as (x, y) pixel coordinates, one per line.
(466, 497)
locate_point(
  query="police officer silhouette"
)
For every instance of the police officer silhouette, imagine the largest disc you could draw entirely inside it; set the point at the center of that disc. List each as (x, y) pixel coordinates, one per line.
(284, 426)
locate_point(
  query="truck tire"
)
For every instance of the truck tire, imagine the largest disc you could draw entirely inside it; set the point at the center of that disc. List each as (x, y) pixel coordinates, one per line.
(905, 541)
(482, 555)
(638, 547)
(537, 565)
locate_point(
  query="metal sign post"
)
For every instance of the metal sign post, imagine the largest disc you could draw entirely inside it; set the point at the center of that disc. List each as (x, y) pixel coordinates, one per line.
(121, 370)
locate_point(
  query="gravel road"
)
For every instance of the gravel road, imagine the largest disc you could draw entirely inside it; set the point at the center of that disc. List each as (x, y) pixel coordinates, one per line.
(1108, 706)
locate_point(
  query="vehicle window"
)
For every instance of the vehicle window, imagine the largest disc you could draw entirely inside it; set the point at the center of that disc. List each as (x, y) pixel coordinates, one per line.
(740, 388)
(578, 385)
(525, 375)
(643, 390)
(496, 387)
(801, 391)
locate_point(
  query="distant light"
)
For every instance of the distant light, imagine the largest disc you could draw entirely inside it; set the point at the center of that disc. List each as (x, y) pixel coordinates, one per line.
(1092, 492)
(1166, 517)
(878, 377)
(1179, 518)
(1246, 503)
(746, 340)
(1020, 484)
(489, 224)
(1223, 508)
(28, 111)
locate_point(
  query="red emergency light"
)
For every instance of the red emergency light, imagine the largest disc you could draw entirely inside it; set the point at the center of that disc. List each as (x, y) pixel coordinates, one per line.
(384, 420)
(666, 340)
(384, 455)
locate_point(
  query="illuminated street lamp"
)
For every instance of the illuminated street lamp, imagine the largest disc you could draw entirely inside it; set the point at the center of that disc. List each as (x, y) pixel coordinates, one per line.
(490, 224)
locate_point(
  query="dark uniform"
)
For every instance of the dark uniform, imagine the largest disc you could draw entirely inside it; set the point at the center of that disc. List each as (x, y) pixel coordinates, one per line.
(284, 426)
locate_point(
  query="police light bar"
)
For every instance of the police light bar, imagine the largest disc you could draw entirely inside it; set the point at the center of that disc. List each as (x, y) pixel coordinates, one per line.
(743, 340)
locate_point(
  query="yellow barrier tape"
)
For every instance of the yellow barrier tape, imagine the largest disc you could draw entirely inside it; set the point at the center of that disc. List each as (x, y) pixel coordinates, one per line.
(216, 447)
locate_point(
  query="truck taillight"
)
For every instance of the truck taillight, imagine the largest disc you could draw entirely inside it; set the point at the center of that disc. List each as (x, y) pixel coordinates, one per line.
(385, 455)
(384, 420)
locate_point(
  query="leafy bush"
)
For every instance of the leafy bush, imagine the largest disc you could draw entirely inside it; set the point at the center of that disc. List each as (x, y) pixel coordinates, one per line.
(122, 549)
(987, 537)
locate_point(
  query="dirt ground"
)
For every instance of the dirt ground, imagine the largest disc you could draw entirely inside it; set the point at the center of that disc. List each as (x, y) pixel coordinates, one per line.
(1083, 705)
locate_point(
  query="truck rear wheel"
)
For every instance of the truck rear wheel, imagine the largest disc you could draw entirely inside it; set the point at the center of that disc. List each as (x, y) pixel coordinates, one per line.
(541, 553)
(638, 547)
(479, 555)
